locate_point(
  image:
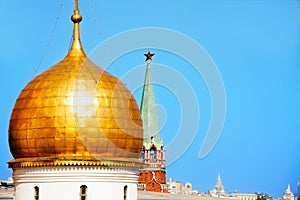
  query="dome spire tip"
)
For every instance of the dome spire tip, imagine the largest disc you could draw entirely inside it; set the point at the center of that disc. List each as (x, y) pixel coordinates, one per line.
(76, 19)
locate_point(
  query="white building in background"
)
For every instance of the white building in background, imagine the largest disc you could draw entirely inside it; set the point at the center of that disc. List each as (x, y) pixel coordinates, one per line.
(176, 187)
(218, 190)
(188, 188)
(7, 191)
(245, 196)
(288, 194)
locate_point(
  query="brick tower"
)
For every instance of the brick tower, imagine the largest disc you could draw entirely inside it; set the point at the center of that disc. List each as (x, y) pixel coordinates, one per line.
(153, 175)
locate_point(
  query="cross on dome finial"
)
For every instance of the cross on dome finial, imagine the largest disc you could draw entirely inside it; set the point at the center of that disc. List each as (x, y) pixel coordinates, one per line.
(149, 56)
(76, 4)
(76, 19)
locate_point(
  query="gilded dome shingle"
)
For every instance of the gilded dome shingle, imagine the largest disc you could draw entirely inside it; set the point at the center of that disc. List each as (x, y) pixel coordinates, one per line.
(75, 111)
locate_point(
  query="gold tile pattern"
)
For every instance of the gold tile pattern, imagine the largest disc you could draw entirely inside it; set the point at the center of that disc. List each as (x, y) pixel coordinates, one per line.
(75, 110)
(75, 113)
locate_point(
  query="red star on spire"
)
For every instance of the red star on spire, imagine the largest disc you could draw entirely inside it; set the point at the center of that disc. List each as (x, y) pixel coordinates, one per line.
(149, 55)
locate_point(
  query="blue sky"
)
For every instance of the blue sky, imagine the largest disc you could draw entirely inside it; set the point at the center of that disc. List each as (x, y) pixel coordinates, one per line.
(254, 44)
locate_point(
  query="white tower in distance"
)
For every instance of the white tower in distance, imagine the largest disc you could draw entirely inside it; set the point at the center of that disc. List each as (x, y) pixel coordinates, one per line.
(218, 190)
(288, 195)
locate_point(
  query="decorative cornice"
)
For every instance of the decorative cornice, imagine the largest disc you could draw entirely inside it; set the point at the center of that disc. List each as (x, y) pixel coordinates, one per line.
(149, 169)
(74, 174)
(24, 163)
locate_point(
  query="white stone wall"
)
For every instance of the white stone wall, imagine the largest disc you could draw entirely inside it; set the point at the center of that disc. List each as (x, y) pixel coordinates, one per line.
(246, 196)
(175, 187)
(63, 183)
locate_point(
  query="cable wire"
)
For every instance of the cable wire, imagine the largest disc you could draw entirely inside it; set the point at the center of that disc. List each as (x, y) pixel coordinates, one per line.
(100, 33)
(50, 39)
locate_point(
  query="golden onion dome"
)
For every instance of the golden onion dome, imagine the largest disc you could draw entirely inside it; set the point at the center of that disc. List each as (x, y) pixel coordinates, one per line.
(75, 113)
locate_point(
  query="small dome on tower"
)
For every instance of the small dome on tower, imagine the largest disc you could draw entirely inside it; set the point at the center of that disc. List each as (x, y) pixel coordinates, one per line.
(75, 113)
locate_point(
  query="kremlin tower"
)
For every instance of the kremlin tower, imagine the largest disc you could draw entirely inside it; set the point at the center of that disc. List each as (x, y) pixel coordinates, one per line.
(76, 133)
(153, 175)
(218, 189)
(288, 194)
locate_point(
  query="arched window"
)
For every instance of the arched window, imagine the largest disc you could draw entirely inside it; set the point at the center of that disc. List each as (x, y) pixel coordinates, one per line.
(142, 154)
(83, 192)
(153, 186)
(152, 154)
(36, 193)
(125, 192)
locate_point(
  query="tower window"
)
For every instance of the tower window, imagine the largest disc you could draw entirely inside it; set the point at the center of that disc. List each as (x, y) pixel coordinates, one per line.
(152, 154)
(36, 193)
(125, 192)
(83, 192)
(153, 186)
(142, 154)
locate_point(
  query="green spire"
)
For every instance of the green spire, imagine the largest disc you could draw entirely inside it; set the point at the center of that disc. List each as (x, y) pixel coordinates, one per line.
(148, 110)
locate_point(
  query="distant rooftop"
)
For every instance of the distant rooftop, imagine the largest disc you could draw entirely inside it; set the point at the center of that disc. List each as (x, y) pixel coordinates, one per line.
(162, 196)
